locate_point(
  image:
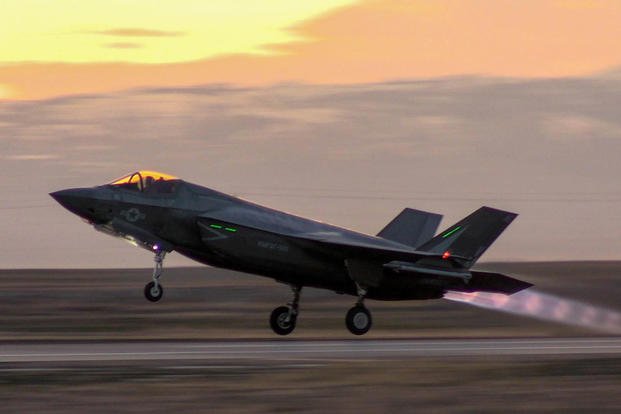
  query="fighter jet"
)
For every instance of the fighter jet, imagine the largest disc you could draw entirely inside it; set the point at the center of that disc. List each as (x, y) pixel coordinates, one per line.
(163, 213)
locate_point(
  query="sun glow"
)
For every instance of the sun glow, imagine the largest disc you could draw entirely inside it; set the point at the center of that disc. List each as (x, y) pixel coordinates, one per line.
(63, 47)
(5, 92)
(140, 31)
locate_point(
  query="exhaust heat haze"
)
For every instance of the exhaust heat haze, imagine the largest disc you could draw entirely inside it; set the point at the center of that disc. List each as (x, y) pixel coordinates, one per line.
(546, 307)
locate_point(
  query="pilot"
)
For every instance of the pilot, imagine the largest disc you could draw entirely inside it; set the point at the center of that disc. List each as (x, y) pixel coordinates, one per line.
(147, 182)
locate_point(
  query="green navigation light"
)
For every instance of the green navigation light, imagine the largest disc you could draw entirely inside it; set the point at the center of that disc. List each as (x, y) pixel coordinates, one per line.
(221, 227)
(448, 233)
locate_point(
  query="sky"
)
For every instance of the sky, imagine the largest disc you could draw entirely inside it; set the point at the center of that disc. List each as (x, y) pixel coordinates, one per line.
(60, 47)
(344, 111)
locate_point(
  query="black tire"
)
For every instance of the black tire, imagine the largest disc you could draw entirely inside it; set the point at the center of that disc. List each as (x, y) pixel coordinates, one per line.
(153, 293)
(358, 320)
(279, 323)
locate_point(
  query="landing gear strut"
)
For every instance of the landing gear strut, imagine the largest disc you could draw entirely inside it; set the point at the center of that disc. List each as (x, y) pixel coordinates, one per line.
(284, 318)
(358, 319)
(153, 290)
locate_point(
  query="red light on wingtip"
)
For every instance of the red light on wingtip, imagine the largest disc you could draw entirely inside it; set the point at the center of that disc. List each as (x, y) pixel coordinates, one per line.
(446, 255)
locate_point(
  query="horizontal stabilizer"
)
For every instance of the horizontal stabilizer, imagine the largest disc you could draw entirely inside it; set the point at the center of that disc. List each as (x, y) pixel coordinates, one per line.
(411, 227)
(460, 280)
(407, 267)
(493, 283)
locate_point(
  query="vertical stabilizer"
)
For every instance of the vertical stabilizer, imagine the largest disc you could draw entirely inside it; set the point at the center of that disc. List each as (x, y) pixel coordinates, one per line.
(411, 227)
(469, 238)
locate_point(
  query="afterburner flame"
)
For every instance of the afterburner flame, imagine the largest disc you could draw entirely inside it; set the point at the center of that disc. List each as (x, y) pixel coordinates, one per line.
(544, 306)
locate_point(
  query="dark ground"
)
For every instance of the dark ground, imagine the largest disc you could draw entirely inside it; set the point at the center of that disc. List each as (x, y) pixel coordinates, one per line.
(204, 303)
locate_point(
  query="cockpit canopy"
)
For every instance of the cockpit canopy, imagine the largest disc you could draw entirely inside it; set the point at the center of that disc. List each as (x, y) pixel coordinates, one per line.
(147, 181)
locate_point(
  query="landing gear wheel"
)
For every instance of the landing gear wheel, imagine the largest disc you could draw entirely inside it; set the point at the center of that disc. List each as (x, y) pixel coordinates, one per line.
(281, 321)
(358, 320)
(153, 292)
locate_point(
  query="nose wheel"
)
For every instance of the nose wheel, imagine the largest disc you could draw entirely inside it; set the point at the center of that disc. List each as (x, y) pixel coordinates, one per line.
(283, 319)
(153, 290)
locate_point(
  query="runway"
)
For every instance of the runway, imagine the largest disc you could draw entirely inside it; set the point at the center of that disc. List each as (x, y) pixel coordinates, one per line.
(296, 350)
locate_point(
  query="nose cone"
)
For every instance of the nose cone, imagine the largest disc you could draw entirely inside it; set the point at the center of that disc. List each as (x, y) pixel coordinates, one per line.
(72, 195)
(76, 200)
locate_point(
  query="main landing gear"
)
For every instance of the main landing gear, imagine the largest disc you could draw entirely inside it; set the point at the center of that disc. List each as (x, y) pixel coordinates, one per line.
(153, 290)
(358, 318)
(284, 318)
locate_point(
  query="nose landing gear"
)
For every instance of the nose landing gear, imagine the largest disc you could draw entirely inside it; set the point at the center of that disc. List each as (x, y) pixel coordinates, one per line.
(153, 290)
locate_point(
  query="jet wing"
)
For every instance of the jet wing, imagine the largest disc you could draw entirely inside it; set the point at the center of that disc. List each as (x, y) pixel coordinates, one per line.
(284, 224)
(367, 254)
(354, 241)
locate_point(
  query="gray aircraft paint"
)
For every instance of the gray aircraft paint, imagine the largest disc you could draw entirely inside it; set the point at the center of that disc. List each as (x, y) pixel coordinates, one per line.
(224, 231)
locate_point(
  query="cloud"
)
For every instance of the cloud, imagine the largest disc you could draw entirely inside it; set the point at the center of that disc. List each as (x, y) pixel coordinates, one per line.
(123, 45)
(351, 154)
(138, 32)
(583, 4)
(582, 127)
(32, 157)
(369, 41)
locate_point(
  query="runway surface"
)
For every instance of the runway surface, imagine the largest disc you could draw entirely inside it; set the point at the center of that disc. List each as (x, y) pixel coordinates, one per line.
(290, 350)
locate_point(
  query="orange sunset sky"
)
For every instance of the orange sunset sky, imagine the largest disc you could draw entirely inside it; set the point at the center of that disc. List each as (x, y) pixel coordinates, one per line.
(61, 47)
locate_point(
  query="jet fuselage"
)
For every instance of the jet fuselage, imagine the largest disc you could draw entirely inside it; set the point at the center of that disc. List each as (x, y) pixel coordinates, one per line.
(179, 219)
(162, 214)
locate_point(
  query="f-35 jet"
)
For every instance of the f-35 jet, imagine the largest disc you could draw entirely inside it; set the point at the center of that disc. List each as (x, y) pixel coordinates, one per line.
(404, 261)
